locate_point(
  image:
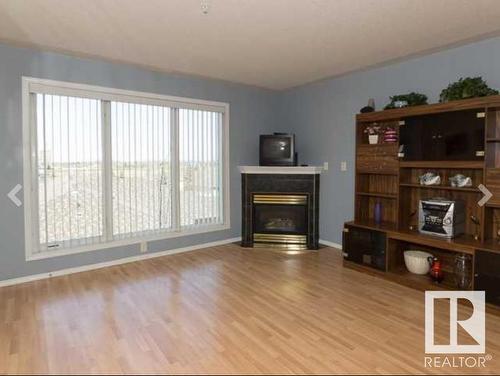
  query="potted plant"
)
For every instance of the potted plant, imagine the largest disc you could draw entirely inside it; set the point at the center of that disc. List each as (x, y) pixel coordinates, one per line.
(373, 132)
(406, 100)
(469, 87)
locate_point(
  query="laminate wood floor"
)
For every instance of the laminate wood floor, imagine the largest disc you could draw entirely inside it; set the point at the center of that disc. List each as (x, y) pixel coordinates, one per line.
(220, 310)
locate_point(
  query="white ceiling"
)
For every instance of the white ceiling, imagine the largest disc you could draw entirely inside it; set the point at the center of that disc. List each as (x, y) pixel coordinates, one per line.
(269, 43)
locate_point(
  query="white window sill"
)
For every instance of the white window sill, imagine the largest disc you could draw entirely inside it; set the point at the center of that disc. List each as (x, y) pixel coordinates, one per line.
(123, 242)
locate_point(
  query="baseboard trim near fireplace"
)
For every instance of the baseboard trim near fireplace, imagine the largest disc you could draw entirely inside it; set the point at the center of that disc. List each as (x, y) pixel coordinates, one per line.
(330, 244)
(126, 260)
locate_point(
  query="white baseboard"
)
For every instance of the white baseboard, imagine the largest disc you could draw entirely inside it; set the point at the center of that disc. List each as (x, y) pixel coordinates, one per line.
(126, 260)
(330, 244)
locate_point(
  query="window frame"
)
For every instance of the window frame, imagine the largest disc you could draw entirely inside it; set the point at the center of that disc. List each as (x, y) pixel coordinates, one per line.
(32, 85)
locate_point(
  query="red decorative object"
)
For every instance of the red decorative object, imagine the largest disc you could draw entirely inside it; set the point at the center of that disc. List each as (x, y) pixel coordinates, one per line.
(436, 271)
(390, 135)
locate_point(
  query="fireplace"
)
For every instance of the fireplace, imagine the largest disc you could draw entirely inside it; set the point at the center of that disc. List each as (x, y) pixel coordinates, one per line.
(280, 209)
(280, 219)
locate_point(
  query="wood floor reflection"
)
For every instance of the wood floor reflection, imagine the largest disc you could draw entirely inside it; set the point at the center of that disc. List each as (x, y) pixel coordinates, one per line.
(220, 310)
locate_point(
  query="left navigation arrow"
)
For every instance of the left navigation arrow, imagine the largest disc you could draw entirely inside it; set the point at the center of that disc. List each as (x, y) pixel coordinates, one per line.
(12, 195)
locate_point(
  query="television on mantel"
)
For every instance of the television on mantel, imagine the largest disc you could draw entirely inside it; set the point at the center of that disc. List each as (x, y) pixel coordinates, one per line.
(277, 149)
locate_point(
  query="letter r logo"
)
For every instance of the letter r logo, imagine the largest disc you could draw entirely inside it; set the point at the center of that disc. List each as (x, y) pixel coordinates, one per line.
(474, 325)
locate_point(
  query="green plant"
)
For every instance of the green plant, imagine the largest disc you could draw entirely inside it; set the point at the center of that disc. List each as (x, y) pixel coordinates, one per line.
(413, 99)
(469, 87)
(373, 129)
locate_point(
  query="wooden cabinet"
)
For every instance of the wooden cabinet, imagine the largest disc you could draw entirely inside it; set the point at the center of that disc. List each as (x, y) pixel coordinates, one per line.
(379, 158)
(460, 137)
(363, 246)
(366, 245)
(453, 135)
(487, 275)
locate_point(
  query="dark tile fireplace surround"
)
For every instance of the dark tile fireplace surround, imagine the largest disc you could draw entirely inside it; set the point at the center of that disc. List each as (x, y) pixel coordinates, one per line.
(280, 210)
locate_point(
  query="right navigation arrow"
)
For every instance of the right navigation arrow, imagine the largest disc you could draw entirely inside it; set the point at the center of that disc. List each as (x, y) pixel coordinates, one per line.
(487, 195)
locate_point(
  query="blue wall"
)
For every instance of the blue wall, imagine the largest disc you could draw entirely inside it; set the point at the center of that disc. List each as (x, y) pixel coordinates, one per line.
(252, 113)
(322, 114)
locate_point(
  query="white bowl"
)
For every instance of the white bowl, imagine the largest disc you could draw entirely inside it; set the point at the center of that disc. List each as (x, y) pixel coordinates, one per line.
(416, 261)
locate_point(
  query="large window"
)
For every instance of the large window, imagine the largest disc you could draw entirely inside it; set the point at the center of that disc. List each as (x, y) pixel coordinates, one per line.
(105, 167)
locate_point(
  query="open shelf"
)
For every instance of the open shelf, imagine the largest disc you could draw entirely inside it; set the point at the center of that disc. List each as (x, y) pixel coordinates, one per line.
(492, 118)
(362, 137)
(463, 243)
(491, 245)
(405, 278)
(441, 187)
(376, 191)
(443, 164)
(380, 144)
(371, 224)
(397, 268)
(492, 154)
(378, 173)
(492, 226)
(375, 194)
(366, 208)
(409, 199)
(421, 282)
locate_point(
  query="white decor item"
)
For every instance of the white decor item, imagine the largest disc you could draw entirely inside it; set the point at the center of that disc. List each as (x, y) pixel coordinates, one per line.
(373, 139)
(430, 178)
(460, 181)
(417, 261)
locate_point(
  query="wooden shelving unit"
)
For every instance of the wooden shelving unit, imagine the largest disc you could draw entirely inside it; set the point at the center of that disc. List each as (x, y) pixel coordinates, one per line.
(377, 194)
(384, 177)
(440, 187)
(442, 164)
(421, 282)
(372, 225)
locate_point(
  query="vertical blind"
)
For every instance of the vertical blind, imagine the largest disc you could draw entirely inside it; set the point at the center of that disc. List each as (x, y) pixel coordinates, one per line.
(200, 167)
(69, 168)
(141, 168)
(109, 169)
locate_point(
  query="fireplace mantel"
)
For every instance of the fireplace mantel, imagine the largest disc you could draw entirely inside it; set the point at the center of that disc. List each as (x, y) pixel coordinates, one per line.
(299, 170)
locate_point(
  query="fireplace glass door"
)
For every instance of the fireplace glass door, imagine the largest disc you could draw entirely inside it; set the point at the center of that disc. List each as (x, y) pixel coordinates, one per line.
(280, 218)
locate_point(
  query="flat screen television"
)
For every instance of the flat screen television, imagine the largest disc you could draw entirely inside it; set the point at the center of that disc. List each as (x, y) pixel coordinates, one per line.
(277, 150)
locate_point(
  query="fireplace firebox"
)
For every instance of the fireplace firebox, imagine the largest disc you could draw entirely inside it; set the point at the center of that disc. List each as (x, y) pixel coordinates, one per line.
(280, 219)
(280, 207)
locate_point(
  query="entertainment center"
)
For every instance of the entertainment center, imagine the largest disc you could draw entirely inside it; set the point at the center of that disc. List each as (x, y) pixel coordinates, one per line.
(445, 139)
